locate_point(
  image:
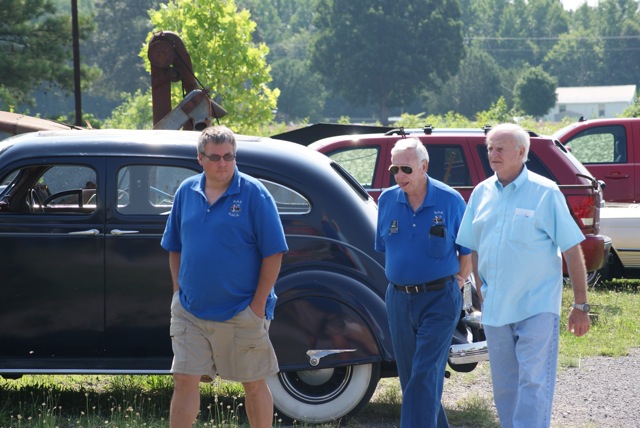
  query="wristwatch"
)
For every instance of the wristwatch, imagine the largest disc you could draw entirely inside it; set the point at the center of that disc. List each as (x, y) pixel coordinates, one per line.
(584, 307)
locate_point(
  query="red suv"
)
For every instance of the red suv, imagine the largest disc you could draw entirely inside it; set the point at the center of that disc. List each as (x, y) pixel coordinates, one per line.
(458, 157)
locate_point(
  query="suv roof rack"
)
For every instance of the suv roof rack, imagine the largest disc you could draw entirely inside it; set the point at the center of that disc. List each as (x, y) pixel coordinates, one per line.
(487, 128)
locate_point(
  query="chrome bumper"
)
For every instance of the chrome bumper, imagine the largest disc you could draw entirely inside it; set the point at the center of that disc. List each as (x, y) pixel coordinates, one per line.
(469, 353)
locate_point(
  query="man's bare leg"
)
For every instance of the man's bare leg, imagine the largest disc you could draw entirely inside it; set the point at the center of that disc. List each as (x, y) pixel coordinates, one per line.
(185, 402)
(258, 404)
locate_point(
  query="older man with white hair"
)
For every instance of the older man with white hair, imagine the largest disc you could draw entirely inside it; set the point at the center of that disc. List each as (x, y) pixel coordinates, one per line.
(418, 221)
(517, 224)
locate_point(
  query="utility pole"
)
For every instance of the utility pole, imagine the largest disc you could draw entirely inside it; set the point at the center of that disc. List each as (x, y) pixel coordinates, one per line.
(76, 62)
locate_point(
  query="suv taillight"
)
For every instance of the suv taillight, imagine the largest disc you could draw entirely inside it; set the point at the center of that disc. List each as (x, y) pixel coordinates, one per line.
(584, 210)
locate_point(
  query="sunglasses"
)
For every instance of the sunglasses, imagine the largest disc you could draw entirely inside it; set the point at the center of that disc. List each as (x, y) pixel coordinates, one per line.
(393, 169)
(216, 158)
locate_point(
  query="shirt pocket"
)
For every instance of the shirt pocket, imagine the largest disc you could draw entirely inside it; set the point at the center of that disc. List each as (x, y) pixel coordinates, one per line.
(439, 241)
(523, 229)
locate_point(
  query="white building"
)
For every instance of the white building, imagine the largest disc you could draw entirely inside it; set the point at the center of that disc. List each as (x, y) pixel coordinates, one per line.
(591, 101)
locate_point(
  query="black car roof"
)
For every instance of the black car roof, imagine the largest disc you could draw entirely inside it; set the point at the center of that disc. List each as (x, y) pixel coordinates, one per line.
(116, 142)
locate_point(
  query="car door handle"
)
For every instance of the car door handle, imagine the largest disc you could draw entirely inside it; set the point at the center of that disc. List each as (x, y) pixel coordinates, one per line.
(119, 232)
(86, 232)
(616, 176)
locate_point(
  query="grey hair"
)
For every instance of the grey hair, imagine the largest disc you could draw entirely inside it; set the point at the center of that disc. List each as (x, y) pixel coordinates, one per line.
(516, 132)
(216, 135)
(411, 143)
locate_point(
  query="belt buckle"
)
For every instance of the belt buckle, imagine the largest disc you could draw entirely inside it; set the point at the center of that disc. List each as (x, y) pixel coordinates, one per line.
(414, 289)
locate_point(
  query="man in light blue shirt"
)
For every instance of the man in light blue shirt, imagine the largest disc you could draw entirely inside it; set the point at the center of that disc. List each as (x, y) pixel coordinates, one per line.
(517, 224)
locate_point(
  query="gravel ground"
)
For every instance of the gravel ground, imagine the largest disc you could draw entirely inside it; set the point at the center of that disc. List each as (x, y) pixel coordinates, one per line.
(601, 392)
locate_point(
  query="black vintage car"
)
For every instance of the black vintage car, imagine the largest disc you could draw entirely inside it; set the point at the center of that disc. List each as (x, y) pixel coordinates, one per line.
(85, 286)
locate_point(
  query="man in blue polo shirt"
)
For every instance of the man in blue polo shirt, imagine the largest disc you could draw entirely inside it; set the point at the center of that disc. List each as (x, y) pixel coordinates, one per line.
(225, 243)
(418, 221)
(517, 223)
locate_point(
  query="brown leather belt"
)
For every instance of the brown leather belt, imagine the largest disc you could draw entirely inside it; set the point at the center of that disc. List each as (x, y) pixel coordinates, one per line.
(437, 284)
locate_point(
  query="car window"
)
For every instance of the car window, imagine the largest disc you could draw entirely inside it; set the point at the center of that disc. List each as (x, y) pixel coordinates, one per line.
(360, 162)
(149, 189)
(287, 200)
(534, 164)
(602, 144)
(7, 180)
(50, 189)
(447, 164)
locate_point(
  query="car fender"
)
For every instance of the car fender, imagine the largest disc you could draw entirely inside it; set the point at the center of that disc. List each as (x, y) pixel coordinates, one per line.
(332, 313)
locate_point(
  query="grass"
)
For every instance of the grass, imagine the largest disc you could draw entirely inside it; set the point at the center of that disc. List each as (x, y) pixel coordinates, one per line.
(143, 401)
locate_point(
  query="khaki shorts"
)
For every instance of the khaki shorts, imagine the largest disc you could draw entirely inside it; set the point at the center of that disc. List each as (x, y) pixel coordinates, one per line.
(238, 349)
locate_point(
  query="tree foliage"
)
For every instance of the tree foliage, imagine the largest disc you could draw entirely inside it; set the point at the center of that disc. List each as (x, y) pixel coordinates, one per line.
(535, 92)
(115, 51)
(224, 57)
(386, 52)
(368, 54)
(286, 27)
(474, 88)
(35, 48)
(577, 60)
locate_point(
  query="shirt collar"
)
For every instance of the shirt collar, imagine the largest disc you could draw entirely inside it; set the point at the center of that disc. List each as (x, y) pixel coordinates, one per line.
(429, 199)
(520, 179)
(233, 189)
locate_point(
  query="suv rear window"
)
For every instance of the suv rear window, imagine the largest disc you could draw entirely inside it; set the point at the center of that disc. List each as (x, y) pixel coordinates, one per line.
(534, 164)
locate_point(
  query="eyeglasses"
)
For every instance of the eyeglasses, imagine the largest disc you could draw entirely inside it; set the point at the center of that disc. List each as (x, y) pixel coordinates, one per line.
(393, 169)
(216, 158)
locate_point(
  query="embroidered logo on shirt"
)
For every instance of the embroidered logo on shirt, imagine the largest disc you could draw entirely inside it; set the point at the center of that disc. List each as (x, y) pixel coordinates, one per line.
(438, 217)
(236, 208)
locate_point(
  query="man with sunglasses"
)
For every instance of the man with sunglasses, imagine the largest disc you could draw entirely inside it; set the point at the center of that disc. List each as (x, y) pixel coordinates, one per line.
(225, 243)
(418, 221)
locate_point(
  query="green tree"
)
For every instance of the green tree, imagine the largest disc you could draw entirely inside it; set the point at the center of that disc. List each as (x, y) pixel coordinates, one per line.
(302, 94)
(385, 52)
(134, 113)
(545, 21)
(618, 24)
(577, 59)
(499, 112)
(474, 88)
(36, 47)
(535, 92)
(121, 27)
(224, 57)
(633, 110)
(286, 27)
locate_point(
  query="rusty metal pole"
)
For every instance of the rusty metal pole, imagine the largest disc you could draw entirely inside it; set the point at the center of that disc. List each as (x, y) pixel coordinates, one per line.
(76, 62)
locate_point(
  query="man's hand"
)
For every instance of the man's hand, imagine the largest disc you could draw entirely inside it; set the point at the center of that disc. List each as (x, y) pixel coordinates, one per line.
(579, 322)
(257, 309)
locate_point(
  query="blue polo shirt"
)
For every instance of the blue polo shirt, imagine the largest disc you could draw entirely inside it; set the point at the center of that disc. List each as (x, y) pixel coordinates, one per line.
(519, 232)
(222, 245)
(420, 246)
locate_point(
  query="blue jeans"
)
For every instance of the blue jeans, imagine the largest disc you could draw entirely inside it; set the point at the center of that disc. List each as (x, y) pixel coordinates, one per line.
(523, 359)
(421, 326)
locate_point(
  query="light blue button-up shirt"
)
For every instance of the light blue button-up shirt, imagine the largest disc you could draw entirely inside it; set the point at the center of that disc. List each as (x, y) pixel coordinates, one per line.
(519, 232)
